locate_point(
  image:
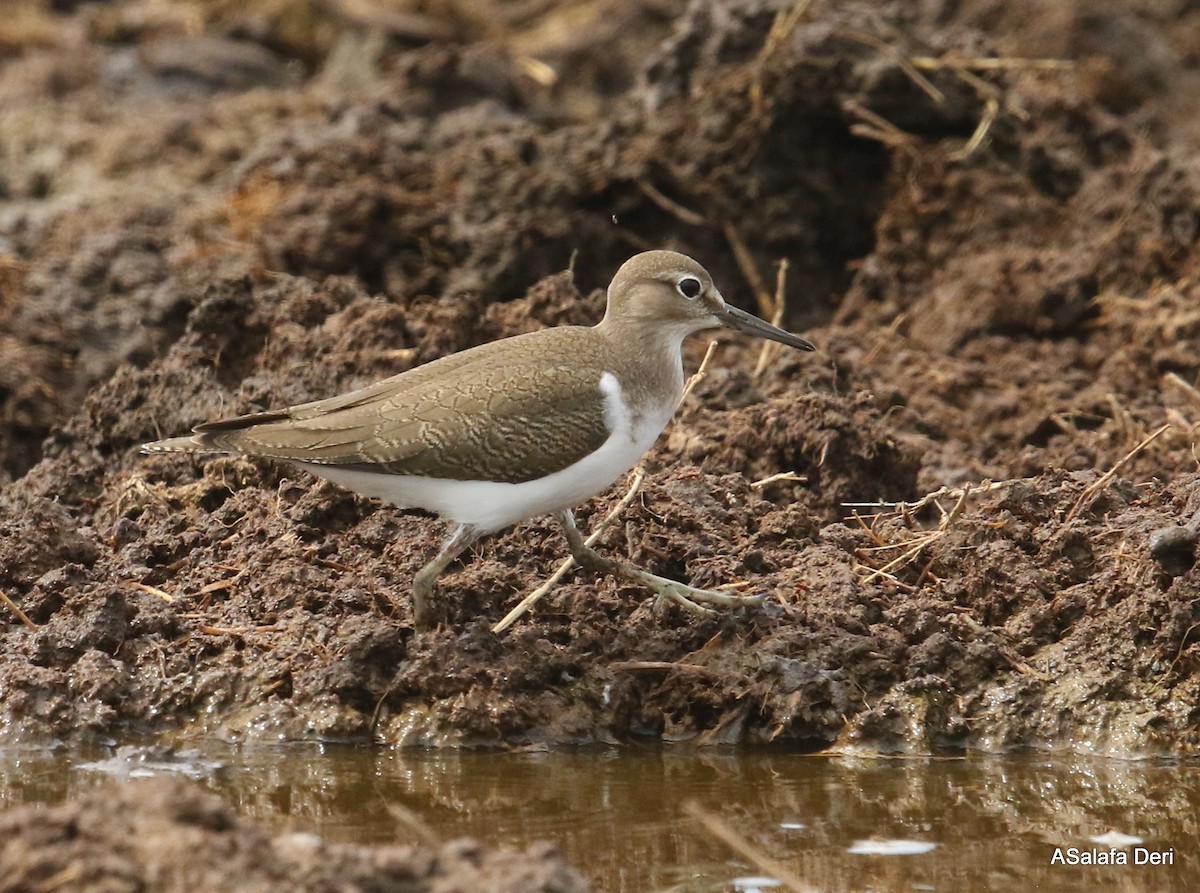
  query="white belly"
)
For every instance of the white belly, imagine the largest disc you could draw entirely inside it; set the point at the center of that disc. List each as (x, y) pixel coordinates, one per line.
(491, 505)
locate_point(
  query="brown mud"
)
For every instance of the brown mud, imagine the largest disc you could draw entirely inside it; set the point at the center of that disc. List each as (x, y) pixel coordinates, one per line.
(996, 258)
(168, 835)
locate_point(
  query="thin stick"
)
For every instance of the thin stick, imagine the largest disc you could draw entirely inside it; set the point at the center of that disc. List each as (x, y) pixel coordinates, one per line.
(1179, 382)
(665, 665)
(538, 71)
(770, 349)
(152, 590)
(790, 476)
(950, 516)
(15, 608)
(871, 573)
(700, 373)
(668, 204)
(417, 825)
(1096, 486)
(991, 111)
(534, 597)
(896, 56)
(744, 848)
(905, 559)
(1006, 63)
(956, 492)
(914, 547)
(781, 29)
(991, 96)
(745, 262)
(877, 127)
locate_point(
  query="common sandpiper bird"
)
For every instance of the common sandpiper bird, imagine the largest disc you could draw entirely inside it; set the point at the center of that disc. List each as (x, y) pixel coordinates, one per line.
(530, 425)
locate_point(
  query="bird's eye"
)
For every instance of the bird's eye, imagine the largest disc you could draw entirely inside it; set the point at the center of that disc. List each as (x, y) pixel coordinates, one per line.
(689, 286)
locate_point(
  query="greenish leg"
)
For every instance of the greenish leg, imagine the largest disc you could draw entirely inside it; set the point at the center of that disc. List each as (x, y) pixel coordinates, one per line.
(681, 594)
(426, 578)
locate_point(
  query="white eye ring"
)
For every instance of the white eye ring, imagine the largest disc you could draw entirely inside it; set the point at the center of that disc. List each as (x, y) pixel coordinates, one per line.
(689, 287)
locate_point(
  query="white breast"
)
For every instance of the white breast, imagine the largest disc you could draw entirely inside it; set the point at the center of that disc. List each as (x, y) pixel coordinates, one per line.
(491, 505)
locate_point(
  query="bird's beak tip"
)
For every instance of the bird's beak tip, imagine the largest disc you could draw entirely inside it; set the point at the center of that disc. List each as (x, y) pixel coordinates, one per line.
(741, 321)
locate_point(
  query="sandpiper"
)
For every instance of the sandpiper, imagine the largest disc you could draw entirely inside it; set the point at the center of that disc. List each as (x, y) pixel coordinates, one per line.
(530, 425)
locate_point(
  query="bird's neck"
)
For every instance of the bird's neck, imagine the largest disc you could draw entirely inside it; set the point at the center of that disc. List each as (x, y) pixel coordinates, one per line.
(651, 360)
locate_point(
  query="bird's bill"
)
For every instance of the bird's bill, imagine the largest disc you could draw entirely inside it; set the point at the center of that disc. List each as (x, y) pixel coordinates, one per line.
(746, 322)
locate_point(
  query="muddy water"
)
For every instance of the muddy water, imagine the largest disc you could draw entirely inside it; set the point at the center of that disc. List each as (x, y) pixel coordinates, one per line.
(951, 824)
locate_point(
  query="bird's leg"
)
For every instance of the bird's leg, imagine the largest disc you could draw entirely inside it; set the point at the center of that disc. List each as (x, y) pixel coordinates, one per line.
(426, 577)
(669, 590)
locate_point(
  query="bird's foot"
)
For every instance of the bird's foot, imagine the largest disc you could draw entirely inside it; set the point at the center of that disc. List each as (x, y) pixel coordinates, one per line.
(690, 597)
(693, 598)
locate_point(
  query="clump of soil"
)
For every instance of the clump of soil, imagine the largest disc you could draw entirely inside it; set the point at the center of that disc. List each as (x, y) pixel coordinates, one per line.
(169, 835)
(974, 511)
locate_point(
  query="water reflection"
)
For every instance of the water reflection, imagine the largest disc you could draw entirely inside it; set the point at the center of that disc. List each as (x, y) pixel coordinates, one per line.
(616, 815)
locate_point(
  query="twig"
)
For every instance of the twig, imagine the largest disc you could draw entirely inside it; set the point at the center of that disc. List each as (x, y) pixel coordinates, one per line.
(700, 373)
(770, 349)
(956, 492)
(744, 848)
(534, 597)
(16, 609)
(869, 528)
(900, 59)
(949, 517)
(781, 29)
(687, 215)
(913, 547)
(1005, 63)
(1190, 390)
(667, 665)
(537, 71)
(745, 262)
(991, 96)
(1178, 654)
(417, 825)
(152, 590)
(869, 572)
(1096, 486)
(991, 111)
(777, 477)
(877, 127)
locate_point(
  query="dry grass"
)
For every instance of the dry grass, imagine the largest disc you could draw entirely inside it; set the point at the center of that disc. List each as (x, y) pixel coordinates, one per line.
(907, 551)
(786, 21)
(1100, 483)
(16, 609)
(770, 349)
(874, 126)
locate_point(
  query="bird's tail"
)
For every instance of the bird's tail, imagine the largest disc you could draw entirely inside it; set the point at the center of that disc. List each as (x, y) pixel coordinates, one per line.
(189, 443)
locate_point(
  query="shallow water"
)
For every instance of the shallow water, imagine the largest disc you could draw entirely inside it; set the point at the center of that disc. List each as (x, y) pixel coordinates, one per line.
(994, 823)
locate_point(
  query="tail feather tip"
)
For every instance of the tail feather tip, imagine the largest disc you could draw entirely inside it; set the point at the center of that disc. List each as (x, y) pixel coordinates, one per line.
(187, 444)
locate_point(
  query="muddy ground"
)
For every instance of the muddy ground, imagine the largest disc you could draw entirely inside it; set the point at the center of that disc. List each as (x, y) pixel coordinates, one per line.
(211, 209)
(167, 835)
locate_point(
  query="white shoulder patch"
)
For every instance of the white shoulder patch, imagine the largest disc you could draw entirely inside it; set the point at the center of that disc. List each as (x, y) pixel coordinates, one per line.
(616, 411)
